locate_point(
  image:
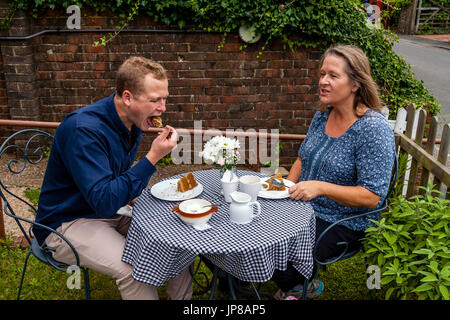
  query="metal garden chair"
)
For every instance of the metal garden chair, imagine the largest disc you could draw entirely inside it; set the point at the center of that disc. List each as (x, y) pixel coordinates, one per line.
(32, 153)
(346, 254)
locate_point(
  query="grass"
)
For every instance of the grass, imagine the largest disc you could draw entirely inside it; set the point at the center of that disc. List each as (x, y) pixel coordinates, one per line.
(32, 195)
(344, 280)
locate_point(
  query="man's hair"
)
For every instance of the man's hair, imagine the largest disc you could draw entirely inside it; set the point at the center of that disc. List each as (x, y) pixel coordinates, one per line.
(132, 72)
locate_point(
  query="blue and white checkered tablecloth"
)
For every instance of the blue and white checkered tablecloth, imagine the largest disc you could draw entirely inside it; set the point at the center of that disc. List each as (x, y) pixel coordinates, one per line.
(160, 246)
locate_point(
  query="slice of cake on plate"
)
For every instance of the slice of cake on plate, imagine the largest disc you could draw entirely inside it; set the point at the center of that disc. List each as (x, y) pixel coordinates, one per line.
(186, 183)
(273, 187)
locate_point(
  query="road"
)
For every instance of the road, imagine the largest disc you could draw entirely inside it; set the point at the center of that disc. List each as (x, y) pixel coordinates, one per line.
(430, 61)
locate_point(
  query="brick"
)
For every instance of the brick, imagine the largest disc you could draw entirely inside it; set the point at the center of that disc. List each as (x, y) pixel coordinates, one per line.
(215, 107)
(22, 50)
(202, 47)
(11, 77)
(206, 99)
(215, 124)
(18, 59)
(191, 74)
(280, 64)
(24, 69)
(295, 89)
(87, 48)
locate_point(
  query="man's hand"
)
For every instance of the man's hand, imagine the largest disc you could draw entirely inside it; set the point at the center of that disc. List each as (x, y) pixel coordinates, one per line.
(164, 143)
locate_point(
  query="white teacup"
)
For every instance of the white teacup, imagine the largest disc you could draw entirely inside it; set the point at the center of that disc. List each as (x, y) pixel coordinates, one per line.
(251, 185)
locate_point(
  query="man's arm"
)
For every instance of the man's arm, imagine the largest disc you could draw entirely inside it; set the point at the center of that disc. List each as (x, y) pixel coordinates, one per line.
(88, 162)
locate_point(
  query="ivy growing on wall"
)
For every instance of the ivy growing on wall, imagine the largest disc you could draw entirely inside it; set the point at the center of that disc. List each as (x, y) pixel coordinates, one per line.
(298, 23)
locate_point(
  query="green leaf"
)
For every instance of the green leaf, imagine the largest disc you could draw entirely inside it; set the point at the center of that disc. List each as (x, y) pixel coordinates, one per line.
(430, 278)
(309, 10)
(386, 280)
(389, 293)
(181, 24)
(391, 238)
(423, 287)
(444, 291)
(434, 266)
(380, 259)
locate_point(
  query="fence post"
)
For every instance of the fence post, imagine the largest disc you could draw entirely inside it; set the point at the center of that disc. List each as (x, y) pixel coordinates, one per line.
(417, 16)
(400, 121)
(410, 131)
(414, 164)
(442, 157)
(429, 148)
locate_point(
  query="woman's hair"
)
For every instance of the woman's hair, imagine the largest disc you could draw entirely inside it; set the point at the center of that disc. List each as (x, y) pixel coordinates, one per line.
(358, 69)
(132, 73)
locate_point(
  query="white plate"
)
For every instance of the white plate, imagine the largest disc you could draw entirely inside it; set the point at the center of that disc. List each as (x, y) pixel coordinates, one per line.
(167, 190)
(275, 194)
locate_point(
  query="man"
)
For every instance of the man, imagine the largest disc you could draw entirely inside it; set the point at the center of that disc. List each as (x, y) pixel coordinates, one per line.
(89, 176)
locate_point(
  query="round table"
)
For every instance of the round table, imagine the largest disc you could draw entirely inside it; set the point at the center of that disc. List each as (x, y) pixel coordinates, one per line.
(160, 246)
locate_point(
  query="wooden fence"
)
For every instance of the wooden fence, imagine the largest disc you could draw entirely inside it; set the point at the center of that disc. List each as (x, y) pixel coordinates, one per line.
(421, 151)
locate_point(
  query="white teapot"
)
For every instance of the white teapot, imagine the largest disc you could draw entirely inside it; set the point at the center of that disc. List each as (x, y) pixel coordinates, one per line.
(241, 208)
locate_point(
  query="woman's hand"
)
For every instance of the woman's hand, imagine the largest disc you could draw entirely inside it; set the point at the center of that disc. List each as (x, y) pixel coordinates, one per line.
(306, 190)
(351, 196)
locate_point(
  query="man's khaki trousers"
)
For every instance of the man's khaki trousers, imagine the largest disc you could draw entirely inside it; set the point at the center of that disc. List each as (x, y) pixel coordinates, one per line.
(100, 243)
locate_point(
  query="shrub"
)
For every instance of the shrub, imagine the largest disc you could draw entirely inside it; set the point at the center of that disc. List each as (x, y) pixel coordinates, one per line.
(410, 245)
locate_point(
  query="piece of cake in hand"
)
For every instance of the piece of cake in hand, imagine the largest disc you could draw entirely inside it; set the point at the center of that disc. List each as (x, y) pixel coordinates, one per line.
(187, 183)
(157, 122)
(273, 187)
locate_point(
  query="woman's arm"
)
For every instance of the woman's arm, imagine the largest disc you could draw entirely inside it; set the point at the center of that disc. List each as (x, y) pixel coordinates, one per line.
(296, 170)
(351, 196)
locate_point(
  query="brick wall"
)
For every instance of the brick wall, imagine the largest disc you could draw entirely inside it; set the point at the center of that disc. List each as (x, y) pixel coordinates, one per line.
(49, 76)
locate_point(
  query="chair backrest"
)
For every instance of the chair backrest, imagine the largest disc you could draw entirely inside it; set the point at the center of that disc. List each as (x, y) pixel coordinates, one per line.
(345, 254)
(22, 150)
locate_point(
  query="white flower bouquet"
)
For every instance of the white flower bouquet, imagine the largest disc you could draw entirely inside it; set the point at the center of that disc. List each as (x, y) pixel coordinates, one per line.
(222, 151)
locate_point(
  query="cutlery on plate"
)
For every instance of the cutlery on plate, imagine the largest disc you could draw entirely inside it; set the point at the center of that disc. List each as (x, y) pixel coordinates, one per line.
(278, 183)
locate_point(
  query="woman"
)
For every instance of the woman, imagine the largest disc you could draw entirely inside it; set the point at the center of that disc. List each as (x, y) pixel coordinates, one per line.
(344, 164)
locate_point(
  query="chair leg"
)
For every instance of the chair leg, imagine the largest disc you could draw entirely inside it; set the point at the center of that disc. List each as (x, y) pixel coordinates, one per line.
(214, 282)
(230, 285)
(305, 288)
(23, 273)
(87, 288)
(256, 291)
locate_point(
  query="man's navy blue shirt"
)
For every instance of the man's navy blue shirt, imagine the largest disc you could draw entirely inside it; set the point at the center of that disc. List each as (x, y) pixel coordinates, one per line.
(89, 173)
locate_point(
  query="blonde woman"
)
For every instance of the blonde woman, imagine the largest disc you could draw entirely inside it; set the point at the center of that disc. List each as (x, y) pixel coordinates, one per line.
(344, 164)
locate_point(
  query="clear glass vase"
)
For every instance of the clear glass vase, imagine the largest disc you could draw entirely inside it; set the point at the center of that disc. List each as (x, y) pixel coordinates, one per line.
(228, 174)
